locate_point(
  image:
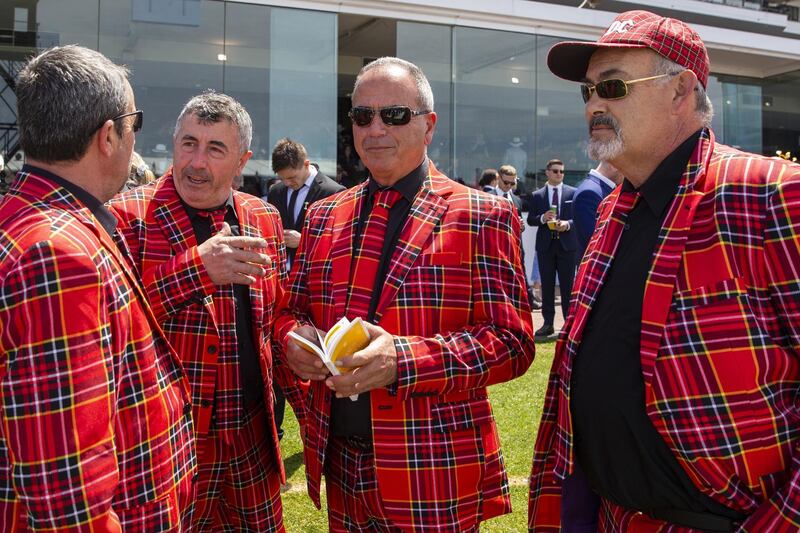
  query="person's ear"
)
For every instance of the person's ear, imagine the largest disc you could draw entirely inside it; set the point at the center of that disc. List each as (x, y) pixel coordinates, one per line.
(106, 138)
(684, 86)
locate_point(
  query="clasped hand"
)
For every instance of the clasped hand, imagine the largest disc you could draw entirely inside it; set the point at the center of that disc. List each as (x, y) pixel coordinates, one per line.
(373, 367)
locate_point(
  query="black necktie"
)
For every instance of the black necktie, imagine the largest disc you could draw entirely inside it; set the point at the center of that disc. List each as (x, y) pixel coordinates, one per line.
(292, 202)
(555, 200)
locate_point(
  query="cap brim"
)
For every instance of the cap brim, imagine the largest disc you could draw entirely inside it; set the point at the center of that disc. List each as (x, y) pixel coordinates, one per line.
(570, 59)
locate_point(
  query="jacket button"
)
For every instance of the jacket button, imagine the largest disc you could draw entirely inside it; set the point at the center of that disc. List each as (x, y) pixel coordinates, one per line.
(195, 477)
(205, 403)
(212, 349)
(187, 408)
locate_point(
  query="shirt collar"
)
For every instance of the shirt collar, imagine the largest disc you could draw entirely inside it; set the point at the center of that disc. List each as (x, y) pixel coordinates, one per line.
(194, 212)
(408, 186)
(555, 186)
(312, 173)
(602, 178)
(95, 206)
(662, 185)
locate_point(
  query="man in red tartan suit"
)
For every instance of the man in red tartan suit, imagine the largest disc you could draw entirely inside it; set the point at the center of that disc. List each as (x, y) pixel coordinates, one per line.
(212, 263)
(96, 428)
(433, 268)
(674, 396)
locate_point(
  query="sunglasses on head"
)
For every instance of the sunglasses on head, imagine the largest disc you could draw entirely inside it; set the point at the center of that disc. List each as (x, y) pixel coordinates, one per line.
(613, 89)
(137, 123)
(395, 115)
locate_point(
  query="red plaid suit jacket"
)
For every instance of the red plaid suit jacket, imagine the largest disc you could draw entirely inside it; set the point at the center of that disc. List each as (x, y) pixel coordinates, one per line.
(720, 344)
(95, 434)
(455, 300)
(197, 316)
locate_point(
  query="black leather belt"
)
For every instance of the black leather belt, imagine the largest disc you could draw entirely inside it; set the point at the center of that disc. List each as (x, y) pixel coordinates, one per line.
(362, 444)
(702, 521)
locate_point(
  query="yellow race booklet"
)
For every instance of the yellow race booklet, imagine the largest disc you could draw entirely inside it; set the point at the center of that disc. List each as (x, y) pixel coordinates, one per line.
(343, 339)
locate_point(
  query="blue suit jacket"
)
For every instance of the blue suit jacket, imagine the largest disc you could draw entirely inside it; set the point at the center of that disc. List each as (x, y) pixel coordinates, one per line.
(539, 205)
(587, 197)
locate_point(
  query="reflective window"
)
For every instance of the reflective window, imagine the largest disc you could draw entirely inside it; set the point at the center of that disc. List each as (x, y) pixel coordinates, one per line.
(495, 95)
(741, 110)
(561, 131)
(57, 23)
(246, 78)
(170, 60)
(429, 47)
(302, 82)
(781, 114)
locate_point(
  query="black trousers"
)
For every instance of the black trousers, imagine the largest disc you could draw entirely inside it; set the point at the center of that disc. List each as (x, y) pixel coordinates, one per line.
(556, 259)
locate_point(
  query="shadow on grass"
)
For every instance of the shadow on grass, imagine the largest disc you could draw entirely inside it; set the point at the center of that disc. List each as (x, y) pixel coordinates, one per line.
(293, 463)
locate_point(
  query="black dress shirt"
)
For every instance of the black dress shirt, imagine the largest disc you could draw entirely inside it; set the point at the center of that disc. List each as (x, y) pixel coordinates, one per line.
(349, 418)
(616, 444)
(249, 368)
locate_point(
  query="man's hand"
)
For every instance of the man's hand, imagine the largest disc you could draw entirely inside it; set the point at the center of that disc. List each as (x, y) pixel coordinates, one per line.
(305, 364)
(375, 366)
(562, 226)
(229, 259)
(291, 238)
(548, 216)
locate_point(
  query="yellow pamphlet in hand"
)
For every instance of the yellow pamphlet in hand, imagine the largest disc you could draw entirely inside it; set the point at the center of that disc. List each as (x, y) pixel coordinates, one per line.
(343, 339)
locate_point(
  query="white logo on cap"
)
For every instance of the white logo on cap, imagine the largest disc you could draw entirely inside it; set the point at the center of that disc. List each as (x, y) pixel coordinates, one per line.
(619, 26)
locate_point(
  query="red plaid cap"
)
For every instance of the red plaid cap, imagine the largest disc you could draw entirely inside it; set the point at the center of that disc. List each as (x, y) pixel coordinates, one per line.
(668, 37)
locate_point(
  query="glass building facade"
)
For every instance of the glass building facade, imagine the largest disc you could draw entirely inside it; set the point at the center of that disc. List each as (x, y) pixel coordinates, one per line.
(294, 68)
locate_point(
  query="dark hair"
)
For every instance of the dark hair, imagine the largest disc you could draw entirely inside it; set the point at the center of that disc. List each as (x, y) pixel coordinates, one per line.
(211, 107)
(554, 162)
(64, 95)
(487, 177)
(288, 154)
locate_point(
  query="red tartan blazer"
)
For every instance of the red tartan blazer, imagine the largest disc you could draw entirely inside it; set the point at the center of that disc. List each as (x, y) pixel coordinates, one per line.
(95, 431)
(720, 344)
(197, 316)
(456, 302)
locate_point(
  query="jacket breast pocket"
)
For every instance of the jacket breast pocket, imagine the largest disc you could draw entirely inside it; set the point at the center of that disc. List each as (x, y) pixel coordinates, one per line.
(708, 295)
(712, 318)
(456, 416)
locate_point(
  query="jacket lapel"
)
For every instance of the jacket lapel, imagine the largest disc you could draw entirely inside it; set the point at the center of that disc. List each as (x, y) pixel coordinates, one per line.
(661, 280)
(170, 215)
(428, 207)
(248, 228)
(345, 220)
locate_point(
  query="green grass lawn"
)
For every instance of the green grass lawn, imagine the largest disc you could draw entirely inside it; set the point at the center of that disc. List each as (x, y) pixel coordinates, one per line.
(517, 407)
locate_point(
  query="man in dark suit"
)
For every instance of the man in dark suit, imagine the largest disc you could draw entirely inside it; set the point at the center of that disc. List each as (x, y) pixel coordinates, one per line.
(301, 185)
(588, 195)
(555, 241)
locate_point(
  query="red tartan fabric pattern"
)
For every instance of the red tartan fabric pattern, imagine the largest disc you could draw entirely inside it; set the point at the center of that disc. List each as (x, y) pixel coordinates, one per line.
(456, 302)
(368, 257)
(238, 486)
(95, 431)
(720, 339)
(198, 317)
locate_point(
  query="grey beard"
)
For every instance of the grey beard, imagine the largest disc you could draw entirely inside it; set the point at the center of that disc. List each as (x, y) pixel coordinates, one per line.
(605, 150)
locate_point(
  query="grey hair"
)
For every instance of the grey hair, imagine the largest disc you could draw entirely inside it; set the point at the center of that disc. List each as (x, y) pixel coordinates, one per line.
(64, 95)
(211, 107)
(703, 106)
(424, 92)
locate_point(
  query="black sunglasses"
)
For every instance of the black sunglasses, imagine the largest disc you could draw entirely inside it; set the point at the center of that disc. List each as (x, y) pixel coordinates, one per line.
(137, 124)
(555, 170)
(612, 89)
(395, 115)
